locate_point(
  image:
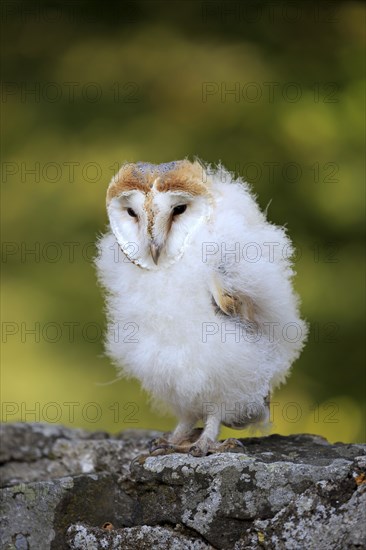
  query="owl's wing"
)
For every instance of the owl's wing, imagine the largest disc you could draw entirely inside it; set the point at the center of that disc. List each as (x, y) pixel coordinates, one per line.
(232, 303)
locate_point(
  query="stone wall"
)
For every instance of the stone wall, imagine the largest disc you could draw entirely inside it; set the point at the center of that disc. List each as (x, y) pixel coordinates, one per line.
(70, 489)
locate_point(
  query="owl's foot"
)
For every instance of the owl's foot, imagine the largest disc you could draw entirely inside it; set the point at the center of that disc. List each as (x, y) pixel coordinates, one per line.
(227, 446)
(202, 447)
(159, 442)
(168, 444)
(169, 448)
(208, 447)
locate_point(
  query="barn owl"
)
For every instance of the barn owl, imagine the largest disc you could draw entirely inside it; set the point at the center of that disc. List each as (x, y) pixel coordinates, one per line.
(199, 297)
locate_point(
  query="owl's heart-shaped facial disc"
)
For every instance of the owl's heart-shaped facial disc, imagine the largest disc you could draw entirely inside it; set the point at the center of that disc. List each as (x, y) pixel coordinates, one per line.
(154, 210)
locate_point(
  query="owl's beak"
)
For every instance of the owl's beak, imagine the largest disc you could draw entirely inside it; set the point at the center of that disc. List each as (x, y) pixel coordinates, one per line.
(155, 252)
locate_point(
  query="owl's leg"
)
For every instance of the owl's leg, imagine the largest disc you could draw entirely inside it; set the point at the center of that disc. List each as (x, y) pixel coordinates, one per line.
(185, 439)
(185, 431)
(207, 444)
(183, 436)
(207, 439)
(241, 422)
(197, 442)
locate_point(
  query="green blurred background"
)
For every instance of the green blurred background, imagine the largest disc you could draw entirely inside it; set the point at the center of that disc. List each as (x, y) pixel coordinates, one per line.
(274, 90)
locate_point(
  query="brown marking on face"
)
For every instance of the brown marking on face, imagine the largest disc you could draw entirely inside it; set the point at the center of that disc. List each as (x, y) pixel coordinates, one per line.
(127, 179)
(186, 177)
(169, 223)
(130, 178)
(148, 207)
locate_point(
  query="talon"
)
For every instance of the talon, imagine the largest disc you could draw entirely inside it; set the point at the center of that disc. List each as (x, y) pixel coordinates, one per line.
(200, 448)
(161, 447)
(162, 450)
(195, 450)
(232, 443)
(139, 459)
(228, 445)
(157, 442)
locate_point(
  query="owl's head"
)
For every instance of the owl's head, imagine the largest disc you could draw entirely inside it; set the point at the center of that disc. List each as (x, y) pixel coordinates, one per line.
(155, 209)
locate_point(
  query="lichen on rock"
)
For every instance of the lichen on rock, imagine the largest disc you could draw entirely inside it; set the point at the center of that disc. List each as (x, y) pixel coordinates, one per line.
(60, 486)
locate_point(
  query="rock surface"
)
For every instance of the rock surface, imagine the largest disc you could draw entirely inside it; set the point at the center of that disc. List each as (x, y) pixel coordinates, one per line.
(70, 489)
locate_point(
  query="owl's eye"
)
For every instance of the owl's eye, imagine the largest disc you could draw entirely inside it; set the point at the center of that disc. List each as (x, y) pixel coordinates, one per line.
(131, 213)
(177, 210)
